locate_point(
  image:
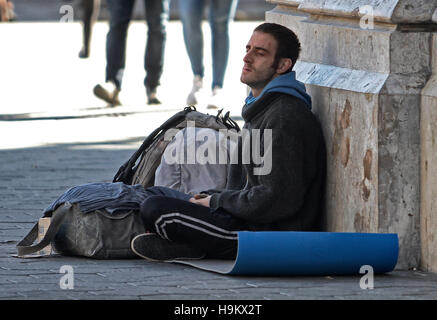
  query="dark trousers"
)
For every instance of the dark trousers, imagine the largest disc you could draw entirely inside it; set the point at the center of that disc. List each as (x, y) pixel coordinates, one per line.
(120, 12)
(89, 16)
(169, 214)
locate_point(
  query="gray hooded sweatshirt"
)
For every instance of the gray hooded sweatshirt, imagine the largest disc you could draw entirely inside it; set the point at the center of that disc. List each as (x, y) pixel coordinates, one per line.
(290, 195)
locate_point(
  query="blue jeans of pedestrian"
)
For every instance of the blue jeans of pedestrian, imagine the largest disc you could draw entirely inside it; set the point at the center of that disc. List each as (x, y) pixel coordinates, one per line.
(220, 14)
(120, 12)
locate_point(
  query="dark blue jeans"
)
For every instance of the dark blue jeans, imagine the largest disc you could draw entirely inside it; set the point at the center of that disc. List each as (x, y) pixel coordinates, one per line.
(221, 12)
(120, 12)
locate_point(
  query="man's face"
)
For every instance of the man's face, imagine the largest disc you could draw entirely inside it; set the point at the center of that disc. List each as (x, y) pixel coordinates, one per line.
(258, 67)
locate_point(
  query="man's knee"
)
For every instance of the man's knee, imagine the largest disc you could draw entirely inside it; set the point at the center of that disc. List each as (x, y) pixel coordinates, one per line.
(151, 209)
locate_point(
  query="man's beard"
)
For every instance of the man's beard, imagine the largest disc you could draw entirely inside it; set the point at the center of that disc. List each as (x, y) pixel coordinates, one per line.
(258, 83)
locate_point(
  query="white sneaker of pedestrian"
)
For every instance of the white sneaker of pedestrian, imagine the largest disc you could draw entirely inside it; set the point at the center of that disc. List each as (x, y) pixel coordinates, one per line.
(192, 98)
(217, 99)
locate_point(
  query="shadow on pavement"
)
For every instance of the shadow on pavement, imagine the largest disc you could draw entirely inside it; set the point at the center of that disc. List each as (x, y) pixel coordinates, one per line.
(31, 178)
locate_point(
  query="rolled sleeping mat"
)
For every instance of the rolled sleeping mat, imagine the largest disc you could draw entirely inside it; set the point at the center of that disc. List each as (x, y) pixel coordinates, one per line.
(306, 253)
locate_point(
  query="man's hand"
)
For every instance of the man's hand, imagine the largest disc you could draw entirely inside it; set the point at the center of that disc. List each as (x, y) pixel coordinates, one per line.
(202, 199)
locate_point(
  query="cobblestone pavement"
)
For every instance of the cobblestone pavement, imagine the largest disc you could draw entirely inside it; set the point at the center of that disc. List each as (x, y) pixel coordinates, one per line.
(49, 144)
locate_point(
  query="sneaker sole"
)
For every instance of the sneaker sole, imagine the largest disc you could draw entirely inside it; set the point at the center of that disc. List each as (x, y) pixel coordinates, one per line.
(154, 101)
(156, 260)
(136, 252)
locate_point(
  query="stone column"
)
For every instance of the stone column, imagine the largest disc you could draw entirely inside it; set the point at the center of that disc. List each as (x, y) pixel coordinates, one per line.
(428, 127)
(365, 64)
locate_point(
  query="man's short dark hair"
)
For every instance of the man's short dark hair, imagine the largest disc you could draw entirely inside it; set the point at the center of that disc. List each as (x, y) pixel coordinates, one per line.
(288, 43)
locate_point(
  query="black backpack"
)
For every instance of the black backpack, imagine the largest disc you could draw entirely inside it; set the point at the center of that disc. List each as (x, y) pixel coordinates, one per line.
(99, 234)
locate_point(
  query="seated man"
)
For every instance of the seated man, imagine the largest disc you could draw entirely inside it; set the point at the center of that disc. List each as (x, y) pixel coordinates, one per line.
(286, 196)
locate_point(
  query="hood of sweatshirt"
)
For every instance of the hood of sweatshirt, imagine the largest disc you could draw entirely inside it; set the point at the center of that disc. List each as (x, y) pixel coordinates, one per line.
(287, 84)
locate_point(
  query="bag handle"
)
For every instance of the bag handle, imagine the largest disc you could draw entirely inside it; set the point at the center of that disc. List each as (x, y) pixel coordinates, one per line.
(125, 173)
(25, 247)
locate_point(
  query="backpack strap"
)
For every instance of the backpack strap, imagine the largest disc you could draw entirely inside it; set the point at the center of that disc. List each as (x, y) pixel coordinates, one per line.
(230, 123)
(125, 173)
(25, 247)
(226, 120)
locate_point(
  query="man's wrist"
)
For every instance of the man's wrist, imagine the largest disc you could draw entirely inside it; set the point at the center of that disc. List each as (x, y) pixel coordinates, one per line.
(214, 201)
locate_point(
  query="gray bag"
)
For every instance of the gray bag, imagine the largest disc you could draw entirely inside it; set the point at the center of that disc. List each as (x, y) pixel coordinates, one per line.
(141, 167)
(96, 234)
(99, 234)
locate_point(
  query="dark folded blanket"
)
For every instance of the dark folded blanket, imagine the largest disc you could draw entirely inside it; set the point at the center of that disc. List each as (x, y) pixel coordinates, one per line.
(110, 196)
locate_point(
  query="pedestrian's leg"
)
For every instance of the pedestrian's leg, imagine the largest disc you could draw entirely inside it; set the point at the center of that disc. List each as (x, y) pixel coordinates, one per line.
(120, 14)
(90, 14)
(211, 231)
(191, 16)
(221, 13)
(191, 12)
(156, 17)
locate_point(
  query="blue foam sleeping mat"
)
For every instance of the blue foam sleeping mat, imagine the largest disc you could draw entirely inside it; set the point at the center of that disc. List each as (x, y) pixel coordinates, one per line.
(306, 253)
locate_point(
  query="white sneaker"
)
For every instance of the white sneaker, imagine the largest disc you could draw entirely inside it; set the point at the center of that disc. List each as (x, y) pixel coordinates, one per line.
(217, 99)
(197, 85)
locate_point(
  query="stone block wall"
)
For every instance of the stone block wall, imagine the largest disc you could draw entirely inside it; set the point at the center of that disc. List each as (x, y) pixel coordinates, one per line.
(370, 68)
(428, 130)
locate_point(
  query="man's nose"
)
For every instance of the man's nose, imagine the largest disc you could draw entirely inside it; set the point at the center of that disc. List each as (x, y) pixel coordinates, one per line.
(248, 57)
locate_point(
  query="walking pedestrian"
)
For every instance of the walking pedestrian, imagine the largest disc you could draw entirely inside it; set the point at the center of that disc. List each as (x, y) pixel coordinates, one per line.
(120, 15)
(221, 12)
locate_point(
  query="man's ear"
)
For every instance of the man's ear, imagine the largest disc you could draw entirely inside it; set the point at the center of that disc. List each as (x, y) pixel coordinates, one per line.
(283, 65)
